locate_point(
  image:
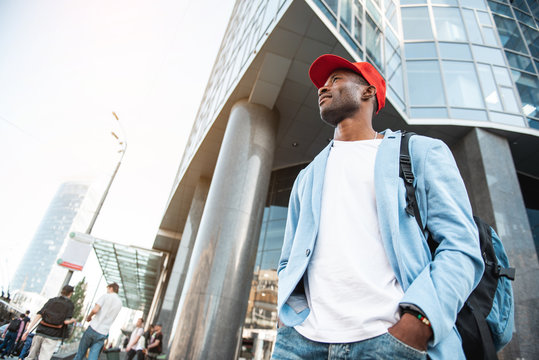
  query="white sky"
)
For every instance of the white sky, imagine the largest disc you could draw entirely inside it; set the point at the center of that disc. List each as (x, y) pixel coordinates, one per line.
(65, 65)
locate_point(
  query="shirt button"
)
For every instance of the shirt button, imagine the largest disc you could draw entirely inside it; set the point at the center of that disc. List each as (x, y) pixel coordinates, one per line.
(307, 252)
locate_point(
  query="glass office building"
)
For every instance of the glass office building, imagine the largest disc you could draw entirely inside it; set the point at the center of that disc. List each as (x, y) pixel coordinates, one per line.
(44, 248)
(464, 71)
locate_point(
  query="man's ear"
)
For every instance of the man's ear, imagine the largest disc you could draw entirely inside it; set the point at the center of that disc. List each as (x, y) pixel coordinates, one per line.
(368, 92)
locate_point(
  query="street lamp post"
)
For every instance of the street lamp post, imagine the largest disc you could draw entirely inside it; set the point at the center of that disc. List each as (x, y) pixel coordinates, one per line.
(123, 143)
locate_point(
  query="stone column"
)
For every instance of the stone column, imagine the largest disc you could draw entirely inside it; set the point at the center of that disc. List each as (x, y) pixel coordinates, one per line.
(181, 262)
(214, 299)
(487, 166)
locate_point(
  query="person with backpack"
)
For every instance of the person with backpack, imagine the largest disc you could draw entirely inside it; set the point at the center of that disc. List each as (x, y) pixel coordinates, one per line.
(11, 336)
(51, 321)
(356, 275)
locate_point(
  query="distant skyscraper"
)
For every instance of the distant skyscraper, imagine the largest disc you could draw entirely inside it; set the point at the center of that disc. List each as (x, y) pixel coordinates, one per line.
(49, 237)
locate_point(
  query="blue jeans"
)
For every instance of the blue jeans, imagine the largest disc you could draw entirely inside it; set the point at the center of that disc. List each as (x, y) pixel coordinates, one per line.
(26, 347)
(8, 342)
(92, 340)
(290, 345)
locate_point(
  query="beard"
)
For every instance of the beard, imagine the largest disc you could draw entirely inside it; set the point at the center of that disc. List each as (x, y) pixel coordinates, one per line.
(333, 114)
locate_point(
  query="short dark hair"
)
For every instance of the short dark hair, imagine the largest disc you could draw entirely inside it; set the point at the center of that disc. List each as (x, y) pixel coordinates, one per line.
(66, 290)
(22, 316)
(115, 287)
(141, 319)
(27, 312)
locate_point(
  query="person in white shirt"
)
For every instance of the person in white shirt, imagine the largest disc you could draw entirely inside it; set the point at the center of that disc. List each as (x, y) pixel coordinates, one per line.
(136, 342)
(101, 318)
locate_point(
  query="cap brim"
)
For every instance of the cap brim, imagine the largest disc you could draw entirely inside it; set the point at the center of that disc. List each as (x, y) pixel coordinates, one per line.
(322, 67)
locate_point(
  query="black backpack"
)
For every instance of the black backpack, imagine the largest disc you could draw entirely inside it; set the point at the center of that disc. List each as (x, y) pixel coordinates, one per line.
(487, 316)
(55, 312)
(14, 325)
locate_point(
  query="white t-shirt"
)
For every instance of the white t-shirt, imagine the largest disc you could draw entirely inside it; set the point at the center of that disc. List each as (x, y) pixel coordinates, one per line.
(137, 332)
(110, 304)
(351, 288)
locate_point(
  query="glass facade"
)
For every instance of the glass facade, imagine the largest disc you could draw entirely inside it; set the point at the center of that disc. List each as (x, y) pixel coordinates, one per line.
(41, 255)
(261, 320)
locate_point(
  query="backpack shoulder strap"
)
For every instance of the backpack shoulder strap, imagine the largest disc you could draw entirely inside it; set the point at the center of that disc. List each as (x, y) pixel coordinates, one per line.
(406, 173)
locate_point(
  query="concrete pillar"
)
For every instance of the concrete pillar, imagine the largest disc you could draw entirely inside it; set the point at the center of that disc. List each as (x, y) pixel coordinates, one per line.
(181, 262)
(487, 167)
(214, 299)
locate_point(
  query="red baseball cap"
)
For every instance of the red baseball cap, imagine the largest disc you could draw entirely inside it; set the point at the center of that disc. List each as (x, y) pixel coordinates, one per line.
(322, 67)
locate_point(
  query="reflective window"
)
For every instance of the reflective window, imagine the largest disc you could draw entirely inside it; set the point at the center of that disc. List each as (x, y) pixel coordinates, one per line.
(500, 8)
(461, 84)
(526, 19)
(449, 25)
(444, 2)
(374, 12)
(426, 113)
(330, 14)
(527, 86)
(520, 4)
(416, 23)
(489, 36)
(420, 50)
(519, 61)
(534, 7)
(475, 4)
(413, 2)
(507, 119)
(455, 51)
(391, 14)
(509, 100)
(502, 76)
(488, 55)
(373, 41)
(532, 38)
(468, 114)
(484, 18)
(356, 31)
(346, 13)
(490, 91)
(509, 34)
(472, 26)
(425, 83)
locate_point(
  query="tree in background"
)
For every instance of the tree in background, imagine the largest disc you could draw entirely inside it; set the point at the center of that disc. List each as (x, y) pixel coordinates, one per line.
(79, 293)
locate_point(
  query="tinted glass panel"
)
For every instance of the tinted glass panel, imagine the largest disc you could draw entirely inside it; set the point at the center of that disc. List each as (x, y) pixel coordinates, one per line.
(489, 36)
(449, 24)
(484, 18)
(346, 13)
(519, 61)
(373, 40)
(500, 8)
(425, 83)
(490, 91)
(472, 26)
(526, 19)
(509, 99)
(416, 23)
(475, 4)
(455, 51)
(527, 86)
(502, 76)
(468, 114)
(428, 113)
(461, 84)
(445, 2)
(413, 2)
(532, 38)
(488, 55)
(507, 119)
(509, 34)
(420, 50)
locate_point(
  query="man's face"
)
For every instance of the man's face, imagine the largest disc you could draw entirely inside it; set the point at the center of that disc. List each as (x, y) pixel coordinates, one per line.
(157, 328)
(139, 323)
(340, 97)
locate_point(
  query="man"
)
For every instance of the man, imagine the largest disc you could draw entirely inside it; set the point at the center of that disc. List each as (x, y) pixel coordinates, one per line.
(136, 342)
(105, 311)
(356, 276)
(10, 336)
(25, 319)
(53, 318)
(155, 347)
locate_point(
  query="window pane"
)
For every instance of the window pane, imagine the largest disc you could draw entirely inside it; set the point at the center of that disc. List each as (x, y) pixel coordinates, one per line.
(374, 12)
(502, 76)
(346, 13)
(534, 7)
(519, 61)
(356, 31)
(520, 4)
(509, 100)
(526, 19)
(373, 42)
(429, 113)
(475, 4)
(532, 38)
(449, 24)
(527, 86)
(509, 34)
(484, 18)
(490, 92)
(500, 8)
(416, 23)
(461, 84)
(468, 114)
(472, 26)
(445, 2)
(425, 83)
(488, 55)
(325, 9)
(413, 2)
(507, 119)
(420, 50)
(489, 36)
(455, 51)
